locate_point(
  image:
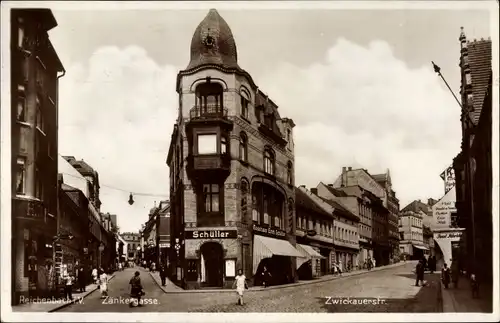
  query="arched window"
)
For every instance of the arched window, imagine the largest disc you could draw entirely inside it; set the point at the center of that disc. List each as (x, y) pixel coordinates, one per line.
(289, 173)
(269, 161)
(244, 193)
(243, 147)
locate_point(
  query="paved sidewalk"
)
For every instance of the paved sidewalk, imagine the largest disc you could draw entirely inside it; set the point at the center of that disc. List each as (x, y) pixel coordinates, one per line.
(56, 303)
(171, 288)
(460, 300)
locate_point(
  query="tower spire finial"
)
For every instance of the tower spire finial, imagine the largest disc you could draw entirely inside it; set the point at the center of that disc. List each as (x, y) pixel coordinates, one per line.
(462, 33)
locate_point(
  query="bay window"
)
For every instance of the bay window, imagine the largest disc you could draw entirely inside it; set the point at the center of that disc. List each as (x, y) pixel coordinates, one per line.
(267, 206)
(207, 144)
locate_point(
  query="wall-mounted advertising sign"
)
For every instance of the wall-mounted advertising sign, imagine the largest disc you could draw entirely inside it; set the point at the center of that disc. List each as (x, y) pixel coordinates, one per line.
(275, 233)
(211, 234)
(448, 176)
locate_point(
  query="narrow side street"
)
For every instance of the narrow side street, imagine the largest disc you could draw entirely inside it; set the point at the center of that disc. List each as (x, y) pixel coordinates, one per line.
(396, 286)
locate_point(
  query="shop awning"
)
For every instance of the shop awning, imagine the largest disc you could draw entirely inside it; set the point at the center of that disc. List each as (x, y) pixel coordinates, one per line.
(421, 247)
(307, 252)
(265, 247)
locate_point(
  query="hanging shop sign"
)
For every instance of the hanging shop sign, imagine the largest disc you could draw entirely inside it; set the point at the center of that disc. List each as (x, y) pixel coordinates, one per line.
(276, 233)
(448, 235)
(211, 234)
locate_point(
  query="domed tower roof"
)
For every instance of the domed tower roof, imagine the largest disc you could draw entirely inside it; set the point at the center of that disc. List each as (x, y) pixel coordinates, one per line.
(213, 43)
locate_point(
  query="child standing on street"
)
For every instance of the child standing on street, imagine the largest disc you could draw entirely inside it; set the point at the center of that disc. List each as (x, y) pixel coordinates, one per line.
(241, 284)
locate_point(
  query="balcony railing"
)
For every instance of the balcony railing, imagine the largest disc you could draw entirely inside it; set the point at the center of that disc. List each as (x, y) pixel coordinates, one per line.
(210, 111)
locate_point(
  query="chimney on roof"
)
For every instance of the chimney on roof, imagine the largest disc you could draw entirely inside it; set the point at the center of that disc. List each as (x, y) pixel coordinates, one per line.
(302, 186)
(344, 169)
(314, 191)
(330, 185)
(349, 168)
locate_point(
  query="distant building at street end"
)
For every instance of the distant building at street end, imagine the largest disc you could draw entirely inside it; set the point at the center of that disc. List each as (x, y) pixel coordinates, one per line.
(411, 230)
(133, 245)
(379, 199)
(357, 205)
(231, 160)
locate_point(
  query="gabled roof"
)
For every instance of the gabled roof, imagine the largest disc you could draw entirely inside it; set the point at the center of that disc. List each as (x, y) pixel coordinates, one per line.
(341, 209)
(480, 55)
(416, 206)
(302, 200)
(334, 191)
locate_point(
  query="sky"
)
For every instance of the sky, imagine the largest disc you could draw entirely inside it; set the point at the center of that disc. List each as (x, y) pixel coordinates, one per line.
(358, 84)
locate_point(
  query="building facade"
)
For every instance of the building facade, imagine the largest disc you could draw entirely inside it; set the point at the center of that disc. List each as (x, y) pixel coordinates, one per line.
(391, 202)
(149, 234)
(411, 229)
(473, 165)
(360, 182)
(314, 230)
(35, 69)
(133, 245)
(163, 233)
(231, 163)
(354, 203)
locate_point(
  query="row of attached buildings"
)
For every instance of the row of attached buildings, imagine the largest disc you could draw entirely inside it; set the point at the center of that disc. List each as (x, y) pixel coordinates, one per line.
(56, 218)
(234, 203)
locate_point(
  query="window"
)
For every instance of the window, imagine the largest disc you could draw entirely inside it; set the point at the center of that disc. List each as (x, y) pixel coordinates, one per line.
(21, 176)
(38, 185)
(39, 115)
(244, 106)
(468, 79)
(207, 144)
(211, 198)
(20, 35)
(243, 147)
(288, 136)
(255, 209)
(209, 98)
(223, 145)
(289, 172)
(266, 209)
(269, 161)
(470, 100)
(244, 193)
(21, 108)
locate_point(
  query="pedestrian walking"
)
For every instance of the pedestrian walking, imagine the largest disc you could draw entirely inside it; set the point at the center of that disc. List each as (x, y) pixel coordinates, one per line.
(95, 275)
(374, 263)
(419, 270)
(120, 268)
(266, 277)
(474, 284)
(81, 278)
(241, 284)
(68, 287)
(163, 275)
(153, 267)
(103, 283)
(445, 275)
(136, 290)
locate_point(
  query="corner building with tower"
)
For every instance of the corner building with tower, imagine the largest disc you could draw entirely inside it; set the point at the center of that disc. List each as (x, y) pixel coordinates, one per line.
(231, 161)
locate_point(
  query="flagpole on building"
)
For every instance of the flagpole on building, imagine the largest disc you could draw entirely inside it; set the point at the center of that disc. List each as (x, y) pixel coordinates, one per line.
(437, 69)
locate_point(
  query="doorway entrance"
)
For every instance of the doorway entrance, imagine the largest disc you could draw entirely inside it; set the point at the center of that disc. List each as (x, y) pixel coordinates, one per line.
(213, 258)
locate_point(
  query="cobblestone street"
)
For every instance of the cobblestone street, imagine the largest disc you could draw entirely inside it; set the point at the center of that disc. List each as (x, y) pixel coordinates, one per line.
(394, 286)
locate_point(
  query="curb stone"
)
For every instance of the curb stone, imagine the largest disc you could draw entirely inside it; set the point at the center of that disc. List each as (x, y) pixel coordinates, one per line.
(260, 289)
(77, 299)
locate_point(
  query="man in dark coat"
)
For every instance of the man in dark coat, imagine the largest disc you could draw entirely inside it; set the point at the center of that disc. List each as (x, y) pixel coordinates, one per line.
(163, 275)
(420, 273)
